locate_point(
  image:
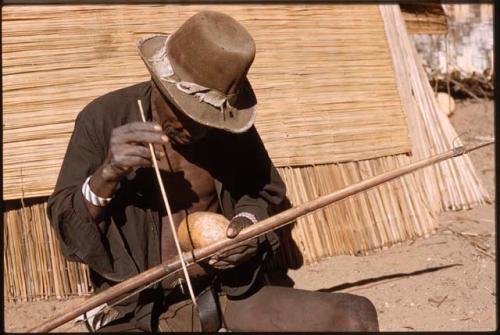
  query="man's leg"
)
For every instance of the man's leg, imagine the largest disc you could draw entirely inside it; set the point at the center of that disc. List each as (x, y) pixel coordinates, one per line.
(274, 308)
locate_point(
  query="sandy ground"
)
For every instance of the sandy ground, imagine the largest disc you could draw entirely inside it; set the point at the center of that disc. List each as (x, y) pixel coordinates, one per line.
(445, 282)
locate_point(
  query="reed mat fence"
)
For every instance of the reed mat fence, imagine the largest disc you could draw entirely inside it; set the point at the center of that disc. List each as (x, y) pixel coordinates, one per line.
(34, 268)
(323, 77)
(386, 215)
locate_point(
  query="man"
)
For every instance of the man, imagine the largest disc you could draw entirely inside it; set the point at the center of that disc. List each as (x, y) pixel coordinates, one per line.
(108, 213)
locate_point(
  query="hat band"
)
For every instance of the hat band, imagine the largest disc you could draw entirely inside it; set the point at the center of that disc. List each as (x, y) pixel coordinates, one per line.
(213, 97)
(207, 95)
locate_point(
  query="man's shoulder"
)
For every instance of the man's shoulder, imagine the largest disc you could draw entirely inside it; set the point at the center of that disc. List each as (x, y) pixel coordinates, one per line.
(117, 103)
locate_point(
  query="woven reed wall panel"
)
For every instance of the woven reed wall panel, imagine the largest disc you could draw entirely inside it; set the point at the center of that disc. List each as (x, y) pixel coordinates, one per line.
(323, 77)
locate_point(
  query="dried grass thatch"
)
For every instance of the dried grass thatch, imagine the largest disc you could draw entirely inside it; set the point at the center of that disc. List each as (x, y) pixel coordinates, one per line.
(425, 18)
(323, 77)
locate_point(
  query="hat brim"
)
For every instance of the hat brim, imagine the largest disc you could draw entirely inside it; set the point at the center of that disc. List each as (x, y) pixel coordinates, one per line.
(240, 119)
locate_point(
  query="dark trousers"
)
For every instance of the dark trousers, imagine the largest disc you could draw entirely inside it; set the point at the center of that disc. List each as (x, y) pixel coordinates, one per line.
(273, 308)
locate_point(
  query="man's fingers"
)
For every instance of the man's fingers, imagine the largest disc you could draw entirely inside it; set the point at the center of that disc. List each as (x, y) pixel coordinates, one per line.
(141, 151)
(230, 258)
(235, 251)
(139, 132)
(213, 260)
(232, 254)
(128, 147)
(135, 127)
(125, 162)
(232, 231)
(222, 265)
(141, 126)
(127, 157)
(237, 224)
(137, 161)
(143, 137)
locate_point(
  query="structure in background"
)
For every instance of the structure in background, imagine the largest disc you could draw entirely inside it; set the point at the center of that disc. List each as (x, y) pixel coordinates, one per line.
(332, 111)
(424, 18)
(461, 61)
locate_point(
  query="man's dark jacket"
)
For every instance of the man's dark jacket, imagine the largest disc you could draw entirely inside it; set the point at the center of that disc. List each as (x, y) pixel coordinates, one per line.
(126, 239)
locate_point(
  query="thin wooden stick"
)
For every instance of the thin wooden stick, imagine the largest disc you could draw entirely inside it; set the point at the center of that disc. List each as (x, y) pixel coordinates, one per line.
(167, 206)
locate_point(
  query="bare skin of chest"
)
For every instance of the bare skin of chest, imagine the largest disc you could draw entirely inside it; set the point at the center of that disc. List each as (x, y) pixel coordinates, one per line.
(192, 186)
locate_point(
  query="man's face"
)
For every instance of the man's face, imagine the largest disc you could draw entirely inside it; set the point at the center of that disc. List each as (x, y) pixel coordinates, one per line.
(180, 128)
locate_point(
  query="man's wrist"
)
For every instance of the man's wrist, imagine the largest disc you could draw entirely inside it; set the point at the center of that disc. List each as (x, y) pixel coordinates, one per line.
(93, 198)
(108, 174)
(101, 185)
(247, 215)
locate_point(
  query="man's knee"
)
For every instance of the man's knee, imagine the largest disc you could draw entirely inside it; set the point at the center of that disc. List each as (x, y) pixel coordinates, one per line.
(358, 313)
(287, 309)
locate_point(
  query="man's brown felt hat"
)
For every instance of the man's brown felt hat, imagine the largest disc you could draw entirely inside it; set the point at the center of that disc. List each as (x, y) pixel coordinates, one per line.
(211, 52)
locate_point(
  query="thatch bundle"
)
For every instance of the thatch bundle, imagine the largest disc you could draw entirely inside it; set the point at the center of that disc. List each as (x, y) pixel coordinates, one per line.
(321, 139)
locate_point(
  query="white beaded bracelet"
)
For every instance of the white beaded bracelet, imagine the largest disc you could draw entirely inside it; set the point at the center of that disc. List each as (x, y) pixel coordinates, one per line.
(247, 215)
(93, 198)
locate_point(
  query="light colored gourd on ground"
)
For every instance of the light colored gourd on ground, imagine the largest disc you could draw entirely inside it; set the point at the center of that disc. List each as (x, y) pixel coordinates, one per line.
(446, 103)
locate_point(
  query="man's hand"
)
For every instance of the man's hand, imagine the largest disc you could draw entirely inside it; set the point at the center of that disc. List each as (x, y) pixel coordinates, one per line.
(232, 257)
(128, 149)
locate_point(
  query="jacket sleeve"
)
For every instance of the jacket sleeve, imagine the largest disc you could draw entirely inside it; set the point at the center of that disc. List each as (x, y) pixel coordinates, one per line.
(258, 186)
(257, 189)
(79, 235)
